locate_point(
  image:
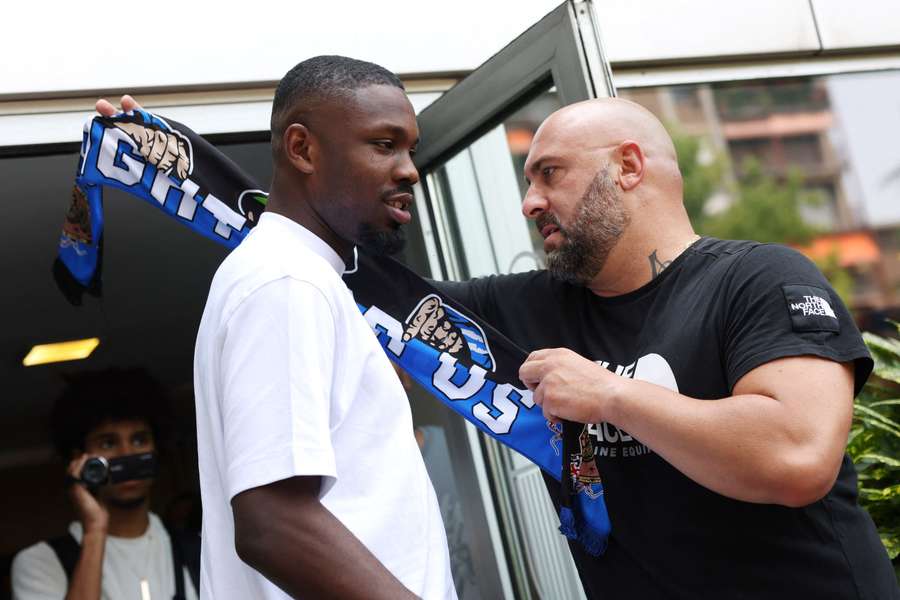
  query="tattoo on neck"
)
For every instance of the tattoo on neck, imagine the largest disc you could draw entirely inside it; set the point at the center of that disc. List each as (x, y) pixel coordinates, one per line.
(656, 265)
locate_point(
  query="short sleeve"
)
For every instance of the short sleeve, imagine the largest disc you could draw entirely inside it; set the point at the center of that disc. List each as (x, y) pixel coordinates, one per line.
(276, 364)
(37, 574)
(778, 304)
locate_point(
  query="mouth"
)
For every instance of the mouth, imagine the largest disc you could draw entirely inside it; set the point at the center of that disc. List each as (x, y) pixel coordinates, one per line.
(398, 207)
(548, 230)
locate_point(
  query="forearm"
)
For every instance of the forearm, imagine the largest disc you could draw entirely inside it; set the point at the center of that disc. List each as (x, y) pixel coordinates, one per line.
(87, 576)
(747, 447)
(311, 554)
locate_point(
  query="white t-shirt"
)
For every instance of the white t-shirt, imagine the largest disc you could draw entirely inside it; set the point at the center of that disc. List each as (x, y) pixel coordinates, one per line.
(37, 573)
(290, 380)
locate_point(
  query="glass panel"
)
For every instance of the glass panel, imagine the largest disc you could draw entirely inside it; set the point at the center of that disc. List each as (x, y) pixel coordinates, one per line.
(480, 190)
(807, 161)
(483, 186)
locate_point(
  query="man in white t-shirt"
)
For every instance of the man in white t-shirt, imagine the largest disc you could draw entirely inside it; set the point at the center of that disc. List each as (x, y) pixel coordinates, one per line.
(309, 468)
(116, 549)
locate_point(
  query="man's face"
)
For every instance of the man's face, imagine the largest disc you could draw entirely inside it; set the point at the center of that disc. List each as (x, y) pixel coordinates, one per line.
(574, 203)
(367, 172)
(112, 439)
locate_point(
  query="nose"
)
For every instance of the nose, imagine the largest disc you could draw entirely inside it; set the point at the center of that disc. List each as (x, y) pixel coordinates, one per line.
(534, 203)
(406, 170)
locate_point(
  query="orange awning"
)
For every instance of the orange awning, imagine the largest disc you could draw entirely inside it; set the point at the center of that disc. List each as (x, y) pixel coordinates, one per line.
(852, 248)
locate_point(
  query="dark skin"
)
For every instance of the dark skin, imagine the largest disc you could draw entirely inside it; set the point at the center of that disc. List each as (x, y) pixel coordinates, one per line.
(337, 166)
(333, 173)
(343, 164)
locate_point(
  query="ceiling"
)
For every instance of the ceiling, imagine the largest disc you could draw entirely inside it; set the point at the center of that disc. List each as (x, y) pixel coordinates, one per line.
(155, 278)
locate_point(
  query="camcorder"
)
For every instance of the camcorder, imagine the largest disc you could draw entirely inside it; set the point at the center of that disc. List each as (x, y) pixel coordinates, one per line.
(99, 471)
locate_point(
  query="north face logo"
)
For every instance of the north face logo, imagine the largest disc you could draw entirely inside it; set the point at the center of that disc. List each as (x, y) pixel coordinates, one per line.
(814, 305)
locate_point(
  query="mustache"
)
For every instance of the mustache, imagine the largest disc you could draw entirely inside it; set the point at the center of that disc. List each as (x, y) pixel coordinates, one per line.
(403, 188)
(548, 218)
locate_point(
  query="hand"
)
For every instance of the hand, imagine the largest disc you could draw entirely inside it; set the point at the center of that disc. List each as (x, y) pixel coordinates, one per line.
(432, 325)
(569, 387)
(93, 515)
(160, 148)
(106, 109)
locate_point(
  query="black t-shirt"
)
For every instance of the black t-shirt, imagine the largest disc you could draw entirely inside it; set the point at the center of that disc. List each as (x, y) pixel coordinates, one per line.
(719, 310)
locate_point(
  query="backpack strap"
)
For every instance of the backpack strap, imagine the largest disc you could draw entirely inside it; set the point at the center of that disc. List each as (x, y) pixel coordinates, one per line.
(67, 551)
(185, 553)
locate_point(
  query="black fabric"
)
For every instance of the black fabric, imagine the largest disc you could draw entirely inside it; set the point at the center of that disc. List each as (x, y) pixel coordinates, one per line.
(67, 550)
(720, 310)
(185, 553)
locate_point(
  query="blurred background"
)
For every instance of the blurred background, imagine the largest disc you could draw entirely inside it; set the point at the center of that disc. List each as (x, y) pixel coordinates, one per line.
(785, 114)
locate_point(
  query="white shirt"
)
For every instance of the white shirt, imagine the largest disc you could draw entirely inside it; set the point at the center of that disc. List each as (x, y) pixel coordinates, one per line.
(37, 573)
(289, 380)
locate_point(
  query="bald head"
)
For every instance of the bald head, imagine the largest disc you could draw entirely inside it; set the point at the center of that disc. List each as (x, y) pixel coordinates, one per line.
(605, 122)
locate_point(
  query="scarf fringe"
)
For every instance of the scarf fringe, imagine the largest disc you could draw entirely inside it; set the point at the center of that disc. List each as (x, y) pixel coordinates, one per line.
(592, 541)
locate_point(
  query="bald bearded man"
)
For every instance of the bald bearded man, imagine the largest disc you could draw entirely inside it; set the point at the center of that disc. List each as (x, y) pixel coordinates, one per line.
(716, 377)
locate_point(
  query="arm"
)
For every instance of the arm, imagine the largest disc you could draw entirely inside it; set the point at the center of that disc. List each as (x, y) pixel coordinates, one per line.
(279, 450)
(88, 573)
(779, 439)
(284, 532)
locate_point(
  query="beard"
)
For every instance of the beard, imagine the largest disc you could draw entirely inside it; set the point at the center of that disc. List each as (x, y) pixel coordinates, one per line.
(381, 242)
(600, 220)
(127, 503)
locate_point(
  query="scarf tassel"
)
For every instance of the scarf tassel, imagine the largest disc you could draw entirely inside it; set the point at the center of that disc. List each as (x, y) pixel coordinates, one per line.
(592, 541)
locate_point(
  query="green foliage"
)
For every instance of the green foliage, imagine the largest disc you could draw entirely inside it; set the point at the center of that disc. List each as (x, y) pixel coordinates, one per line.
(701, 180)
(874, 443)
(766, 209)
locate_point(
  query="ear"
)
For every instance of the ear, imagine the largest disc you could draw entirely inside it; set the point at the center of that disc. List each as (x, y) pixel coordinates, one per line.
(297, 145)
(631, 172)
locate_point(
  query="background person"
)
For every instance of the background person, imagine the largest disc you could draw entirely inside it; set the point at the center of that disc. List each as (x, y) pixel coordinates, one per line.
(116, 549)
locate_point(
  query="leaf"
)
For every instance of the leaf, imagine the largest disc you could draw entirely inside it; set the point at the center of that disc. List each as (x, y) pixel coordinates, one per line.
(876, 419)
(881, 458)
(891, 402)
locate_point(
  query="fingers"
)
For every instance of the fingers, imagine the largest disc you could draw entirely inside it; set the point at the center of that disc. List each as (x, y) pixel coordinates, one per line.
(105, 108)
(170, 154)
(161, 149)
(183, 163)
(129, 103)
(532, 371)
(75, 466)
(158, 144)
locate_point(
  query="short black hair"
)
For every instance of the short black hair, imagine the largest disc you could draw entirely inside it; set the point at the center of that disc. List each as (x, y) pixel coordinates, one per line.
(91, 398)
(323, 78)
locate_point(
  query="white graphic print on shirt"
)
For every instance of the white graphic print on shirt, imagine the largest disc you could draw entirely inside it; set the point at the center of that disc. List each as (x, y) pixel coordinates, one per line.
(612, 442)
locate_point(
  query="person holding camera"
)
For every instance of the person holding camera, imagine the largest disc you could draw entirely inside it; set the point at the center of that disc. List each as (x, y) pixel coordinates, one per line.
(106, 425)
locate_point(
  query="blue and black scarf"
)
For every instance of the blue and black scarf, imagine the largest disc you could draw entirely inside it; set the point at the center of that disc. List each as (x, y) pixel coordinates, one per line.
(463, 362)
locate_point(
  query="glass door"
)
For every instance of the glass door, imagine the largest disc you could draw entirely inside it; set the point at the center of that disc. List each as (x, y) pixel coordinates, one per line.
(474, 140)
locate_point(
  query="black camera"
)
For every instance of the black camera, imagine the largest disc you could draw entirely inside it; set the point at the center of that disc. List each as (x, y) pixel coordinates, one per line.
(99, 471)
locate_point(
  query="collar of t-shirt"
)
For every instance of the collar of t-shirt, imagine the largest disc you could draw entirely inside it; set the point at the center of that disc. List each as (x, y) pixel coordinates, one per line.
(305, 237)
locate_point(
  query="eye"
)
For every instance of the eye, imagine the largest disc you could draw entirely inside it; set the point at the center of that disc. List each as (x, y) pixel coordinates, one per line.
(107, 443)
(547, 172)
(386, 145)
(140, 439)
(413, 150)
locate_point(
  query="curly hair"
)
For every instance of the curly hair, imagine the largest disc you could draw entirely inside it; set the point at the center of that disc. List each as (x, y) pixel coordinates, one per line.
(92, 398)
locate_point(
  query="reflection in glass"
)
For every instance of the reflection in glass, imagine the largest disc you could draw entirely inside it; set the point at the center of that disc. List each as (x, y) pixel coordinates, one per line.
(482, 189)
(808, 161)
